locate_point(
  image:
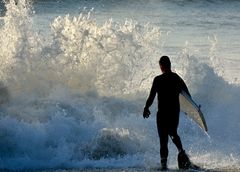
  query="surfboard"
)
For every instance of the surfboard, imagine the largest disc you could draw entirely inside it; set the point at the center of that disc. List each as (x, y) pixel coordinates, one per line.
(192, 110)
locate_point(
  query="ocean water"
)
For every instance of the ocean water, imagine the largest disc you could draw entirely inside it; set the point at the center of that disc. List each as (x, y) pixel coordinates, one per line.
(75, 76)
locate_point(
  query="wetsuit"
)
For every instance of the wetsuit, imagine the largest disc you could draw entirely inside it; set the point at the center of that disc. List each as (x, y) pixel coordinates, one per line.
(167, 86)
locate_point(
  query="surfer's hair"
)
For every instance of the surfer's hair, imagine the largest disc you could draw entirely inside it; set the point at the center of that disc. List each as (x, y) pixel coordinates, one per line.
(165, 61)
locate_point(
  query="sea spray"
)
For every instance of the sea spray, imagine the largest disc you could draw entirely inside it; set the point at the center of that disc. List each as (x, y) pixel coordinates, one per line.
(67, 91)
(109, 53)
(218, 101)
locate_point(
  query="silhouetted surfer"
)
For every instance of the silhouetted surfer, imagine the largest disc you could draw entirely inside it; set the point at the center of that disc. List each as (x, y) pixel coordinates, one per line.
(168, 86)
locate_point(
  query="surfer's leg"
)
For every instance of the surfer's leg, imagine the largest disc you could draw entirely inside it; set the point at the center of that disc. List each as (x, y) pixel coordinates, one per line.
(176, 139)
(163, 149)
(183, 159)
(163, 137)
(163, 145)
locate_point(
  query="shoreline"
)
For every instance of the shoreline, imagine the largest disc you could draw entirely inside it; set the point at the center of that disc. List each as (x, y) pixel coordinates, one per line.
(125, 170)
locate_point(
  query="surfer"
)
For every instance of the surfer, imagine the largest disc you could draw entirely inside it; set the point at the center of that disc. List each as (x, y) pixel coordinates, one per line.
(168, 86)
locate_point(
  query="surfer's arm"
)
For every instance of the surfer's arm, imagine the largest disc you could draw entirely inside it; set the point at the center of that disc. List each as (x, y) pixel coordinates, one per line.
(151, 95)
(150, 100)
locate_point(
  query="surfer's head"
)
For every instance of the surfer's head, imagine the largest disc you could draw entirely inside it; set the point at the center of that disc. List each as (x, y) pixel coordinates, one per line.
(165, 63)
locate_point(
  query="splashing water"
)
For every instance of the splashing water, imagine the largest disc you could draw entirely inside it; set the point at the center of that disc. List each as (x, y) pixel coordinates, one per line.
(74, 99)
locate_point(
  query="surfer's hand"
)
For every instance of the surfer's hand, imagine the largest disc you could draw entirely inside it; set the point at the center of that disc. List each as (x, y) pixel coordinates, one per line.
(146, 113)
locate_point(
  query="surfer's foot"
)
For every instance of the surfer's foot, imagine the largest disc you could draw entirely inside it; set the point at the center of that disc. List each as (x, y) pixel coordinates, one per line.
(164, 168)
(164, 165)
(183, 160)
(194, 167)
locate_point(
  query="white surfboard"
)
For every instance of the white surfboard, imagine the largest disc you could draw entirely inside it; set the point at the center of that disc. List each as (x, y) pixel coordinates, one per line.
(191, 109)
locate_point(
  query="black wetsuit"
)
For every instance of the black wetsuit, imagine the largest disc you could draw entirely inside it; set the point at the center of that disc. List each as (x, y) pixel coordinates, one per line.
(167, 86)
